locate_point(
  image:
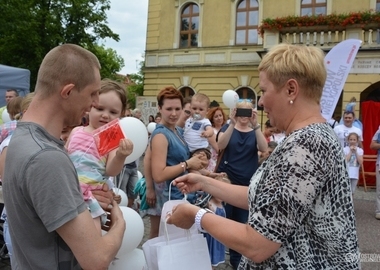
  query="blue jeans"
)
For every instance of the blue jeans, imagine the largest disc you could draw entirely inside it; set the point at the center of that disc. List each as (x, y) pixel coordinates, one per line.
(239, 215)
(7, 239)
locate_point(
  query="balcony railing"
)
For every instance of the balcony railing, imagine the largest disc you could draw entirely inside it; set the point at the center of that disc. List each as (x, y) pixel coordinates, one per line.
(322, 36)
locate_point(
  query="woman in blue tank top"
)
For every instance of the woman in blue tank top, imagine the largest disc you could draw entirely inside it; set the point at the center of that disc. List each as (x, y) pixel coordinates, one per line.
(170, 156)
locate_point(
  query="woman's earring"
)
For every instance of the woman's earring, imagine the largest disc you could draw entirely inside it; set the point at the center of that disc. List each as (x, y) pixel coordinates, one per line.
(291, 102)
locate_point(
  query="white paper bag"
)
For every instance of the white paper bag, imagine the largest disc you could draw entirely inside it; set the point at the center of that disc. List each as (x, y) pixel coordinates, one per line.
(166, 211)
(172, 229)
(150, 247)
(184, 254)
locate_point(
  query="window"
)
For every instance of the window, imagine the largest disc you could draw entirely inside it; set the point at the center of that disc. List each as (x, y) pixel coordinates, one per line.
(313, 7)
(187, 92)
(377, 5)
(247, 20)
(189, 26)
(247, 93)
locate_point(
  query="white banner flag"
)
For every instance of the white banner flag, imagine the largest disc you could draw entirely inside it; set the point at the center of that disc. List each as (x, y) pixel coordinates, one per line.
(338, 63)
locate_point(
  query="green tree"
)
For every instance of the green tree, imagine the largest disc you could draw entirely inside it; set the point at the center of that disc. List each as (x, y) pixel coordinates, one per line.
(137, 87)
(30, 28)
(110, 61)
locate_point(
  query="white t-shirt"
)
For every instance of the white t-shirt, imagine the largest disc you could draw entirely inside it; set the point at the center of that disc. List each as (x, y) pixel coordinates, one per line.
(193, 131)
(353, 164)
(342, 132)
(5, 143)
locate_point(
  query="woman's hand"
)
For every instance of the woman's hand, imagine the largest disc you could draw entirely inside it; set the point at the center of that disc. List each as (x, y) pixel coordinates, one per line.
(183, 215)
(233, 118)
(190, 182)
(253, 118)
(151, 197)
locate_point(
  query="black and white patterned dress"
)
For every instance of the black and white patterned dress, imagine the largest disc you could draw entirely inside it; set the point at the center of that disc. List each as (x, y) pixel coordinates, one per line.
(300, 197)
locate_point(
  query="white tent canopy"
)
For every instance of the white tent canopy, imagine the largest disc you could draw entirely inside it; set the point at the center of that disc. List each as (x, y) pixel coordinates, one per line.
(13, 78)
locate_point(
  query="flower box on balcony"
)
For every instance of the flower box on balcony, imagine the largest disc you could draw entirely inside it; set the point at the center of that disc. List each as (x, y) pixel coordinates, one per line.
(333, 22)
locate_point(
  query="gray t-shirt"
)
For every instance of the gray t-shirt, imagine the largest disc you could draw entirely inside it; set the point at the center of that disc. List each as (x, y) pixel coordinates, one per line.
(41, 193)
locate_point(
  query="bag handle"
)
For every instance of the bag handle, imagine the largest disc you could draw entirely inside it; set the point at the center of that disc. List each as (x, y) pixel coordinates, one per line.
(170, 190)
(188, 234)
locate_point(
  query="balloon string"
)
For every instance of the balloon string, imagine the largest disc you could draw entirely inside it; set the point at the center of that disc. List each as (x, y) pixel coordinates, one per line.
(80, 158)
(120, 178)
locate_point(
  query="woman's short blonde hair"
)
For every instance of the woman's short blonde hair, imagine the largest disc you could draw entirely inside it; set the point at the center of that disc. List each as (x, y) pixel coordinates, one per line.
(302, 63)
(244, 104)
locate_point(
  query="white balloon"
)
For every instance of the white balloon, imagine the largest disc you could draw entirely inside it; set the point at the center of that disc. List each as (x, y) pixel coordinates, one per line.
(134, 231)
(139, 175)
(133, 260)
(136, 131)
(124, 197)
(5, 116)
(230, 98)
(151, 127)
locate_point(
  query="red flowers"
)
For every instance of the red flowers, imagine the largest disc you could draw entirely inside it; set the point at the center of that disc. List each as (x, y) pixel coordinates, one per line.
(333, 21)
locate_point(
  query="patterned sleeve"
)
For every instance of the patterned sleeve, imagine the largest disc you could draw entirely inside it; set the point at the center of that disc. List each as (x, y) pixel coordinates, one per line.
(287, 186)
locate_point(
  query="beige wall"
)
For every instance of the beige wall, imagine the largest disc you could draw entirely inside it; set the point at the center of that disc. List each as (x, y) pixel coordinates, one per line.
(217, 28)
(275, 8)
(219, 21)
(346, 6)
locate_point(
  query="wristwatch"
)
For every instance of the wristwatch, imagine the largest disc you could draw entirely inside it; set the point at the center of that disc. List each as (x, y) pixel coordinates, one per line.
(199, 216)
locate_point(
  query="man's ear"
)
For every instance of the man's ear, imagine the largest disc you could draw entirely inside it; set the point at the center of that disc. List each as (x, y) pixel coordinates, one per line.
(67, 90)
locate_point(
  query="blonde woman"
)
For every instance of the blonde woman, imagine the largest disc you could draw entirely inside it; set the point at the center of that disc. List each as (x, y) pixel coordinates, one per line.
(301, 214)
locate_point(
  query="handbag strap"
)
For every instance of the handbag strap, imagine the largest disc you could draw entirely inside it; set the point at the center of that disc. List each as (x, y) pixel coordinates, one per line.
(220, 155)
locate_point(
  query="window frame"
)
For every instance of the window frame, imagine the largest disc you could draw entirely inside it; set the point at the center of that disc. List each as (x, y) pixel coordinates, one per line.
(187, 91)
(189, 32)
(247, 9)
(313, 5)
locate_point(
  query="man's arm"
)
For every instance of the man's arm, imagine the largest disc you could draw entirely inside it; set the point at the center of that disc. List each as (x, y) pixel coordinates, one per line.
(90, 248)
(374, 145)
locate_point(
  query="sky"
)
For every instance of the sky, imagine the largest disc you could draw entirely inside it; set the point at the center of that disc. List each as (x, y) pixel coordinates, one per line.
(128, 19)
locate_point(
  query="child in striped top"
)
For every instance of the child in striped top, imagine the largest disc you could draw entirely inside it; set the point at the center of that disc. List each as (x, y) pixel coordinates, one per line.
(92, 168)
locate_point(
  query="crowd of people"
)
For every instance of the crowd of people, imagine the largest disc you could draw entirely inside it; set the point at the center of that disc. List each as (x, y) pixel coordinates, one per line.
(275, 188)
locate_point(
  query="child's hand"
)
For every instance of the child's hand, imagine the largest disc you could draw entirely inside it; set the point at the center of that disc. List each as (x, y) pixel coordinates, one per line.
(117, 198)
(125, 148)
(208, 133)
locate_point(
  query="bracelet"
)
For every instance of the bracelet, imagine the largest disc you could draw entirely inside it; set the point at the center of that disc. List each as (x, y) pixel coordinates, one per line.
(187, 165)
(183, 166)
(256, 127)
(199, 216)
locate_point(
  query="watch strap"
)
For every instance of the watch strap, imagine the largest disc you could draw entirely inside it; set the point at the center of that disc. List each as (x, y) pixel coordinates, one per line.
(198, 218)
